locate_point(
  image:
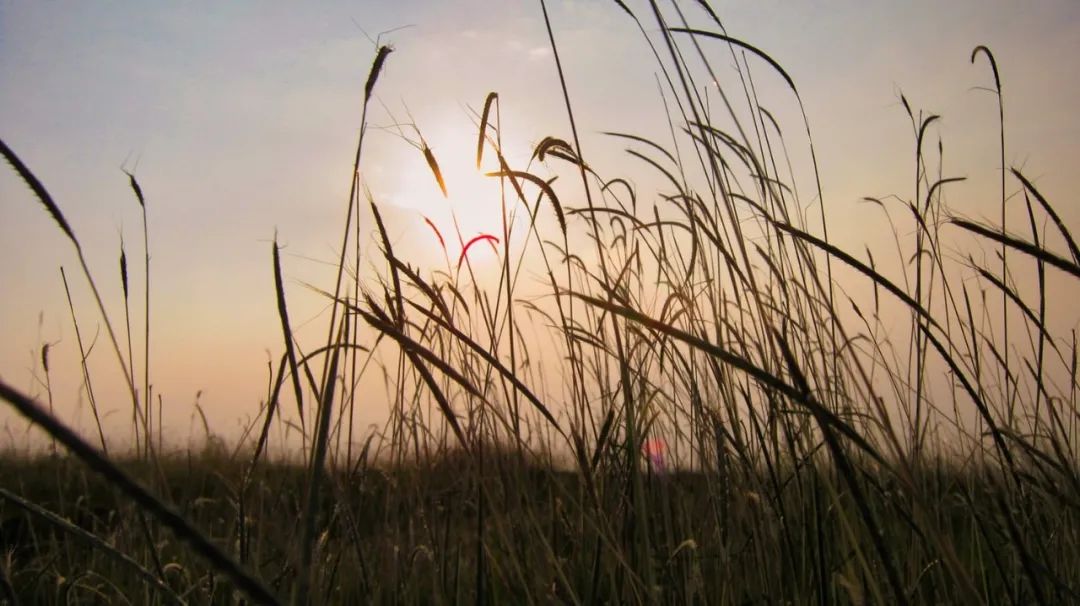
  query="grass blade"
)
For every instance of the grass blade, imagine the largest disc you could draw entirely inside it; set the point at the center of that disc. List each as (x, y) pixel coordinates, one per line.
(241, 578)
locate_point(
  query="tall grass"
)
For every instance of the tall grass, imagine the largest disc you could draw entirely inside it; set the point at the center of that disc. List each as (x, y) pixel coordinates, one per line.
(717, 420)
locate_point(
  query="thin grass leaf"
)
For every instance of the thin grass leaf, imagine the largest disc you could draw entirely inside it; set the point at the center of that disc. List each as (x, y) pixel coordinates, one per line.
(481, 238)
(376, 67)
(491, 98)
(936, 185)
(166, 514)
(842, 461)
(123, 270)
(94, 541)
(624, 7)
(434, 166)
(286, 331)
(1053, 215)
(38, 189)
(1020, 245)
(427, 289)
(643, 140)
(993, 63)
(860, 267)
(415, 351)
(552, 146)
(495, 363)
(704, 4)
(760, 375)
(135, 188)
(303, 362)
(544, 187)
(315, 475)
(438, 234)
(743, 45)
(1015, 298)
(388, 252)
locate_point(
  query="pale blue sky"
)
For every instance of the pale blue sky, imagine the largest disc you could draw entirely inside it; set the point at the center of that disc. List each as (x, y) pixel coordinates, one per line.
(242, 118)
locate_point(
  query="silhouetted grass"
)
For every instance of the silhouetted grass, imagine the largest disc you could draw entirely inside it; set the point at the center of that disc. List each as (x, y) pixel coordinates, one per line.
(717, 421)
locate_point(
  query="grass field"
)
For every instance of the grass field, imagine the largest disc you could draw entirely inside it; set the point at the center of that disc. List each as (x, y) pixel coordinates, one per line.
(683, 396)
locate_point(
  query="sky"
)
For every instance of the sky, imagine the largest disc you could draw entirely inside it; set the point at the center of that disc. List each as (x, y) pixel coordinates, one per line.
(240, 120)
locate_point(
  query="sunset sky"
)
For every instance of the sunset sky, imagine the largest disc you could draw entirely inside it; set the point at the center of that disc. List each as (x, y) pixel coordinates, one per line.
(240, 119)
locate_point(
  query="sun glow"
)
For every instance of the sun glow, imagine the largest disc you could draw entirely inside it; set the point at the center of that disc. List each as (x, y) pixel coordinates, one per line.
(467, 223)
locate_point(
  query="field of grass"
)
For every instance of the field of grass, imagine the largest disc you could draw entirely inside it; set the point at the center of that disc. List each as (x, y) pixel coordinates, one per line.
(663, 397)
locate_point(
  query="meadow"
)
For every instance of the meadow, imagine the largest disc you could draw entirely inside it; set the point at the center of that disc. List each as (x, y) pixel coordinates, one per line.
(688, 395)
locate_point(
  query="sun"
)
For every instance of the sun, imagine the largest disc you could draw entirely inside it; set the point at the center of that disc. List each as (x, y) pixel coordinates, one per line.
(466, 221)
